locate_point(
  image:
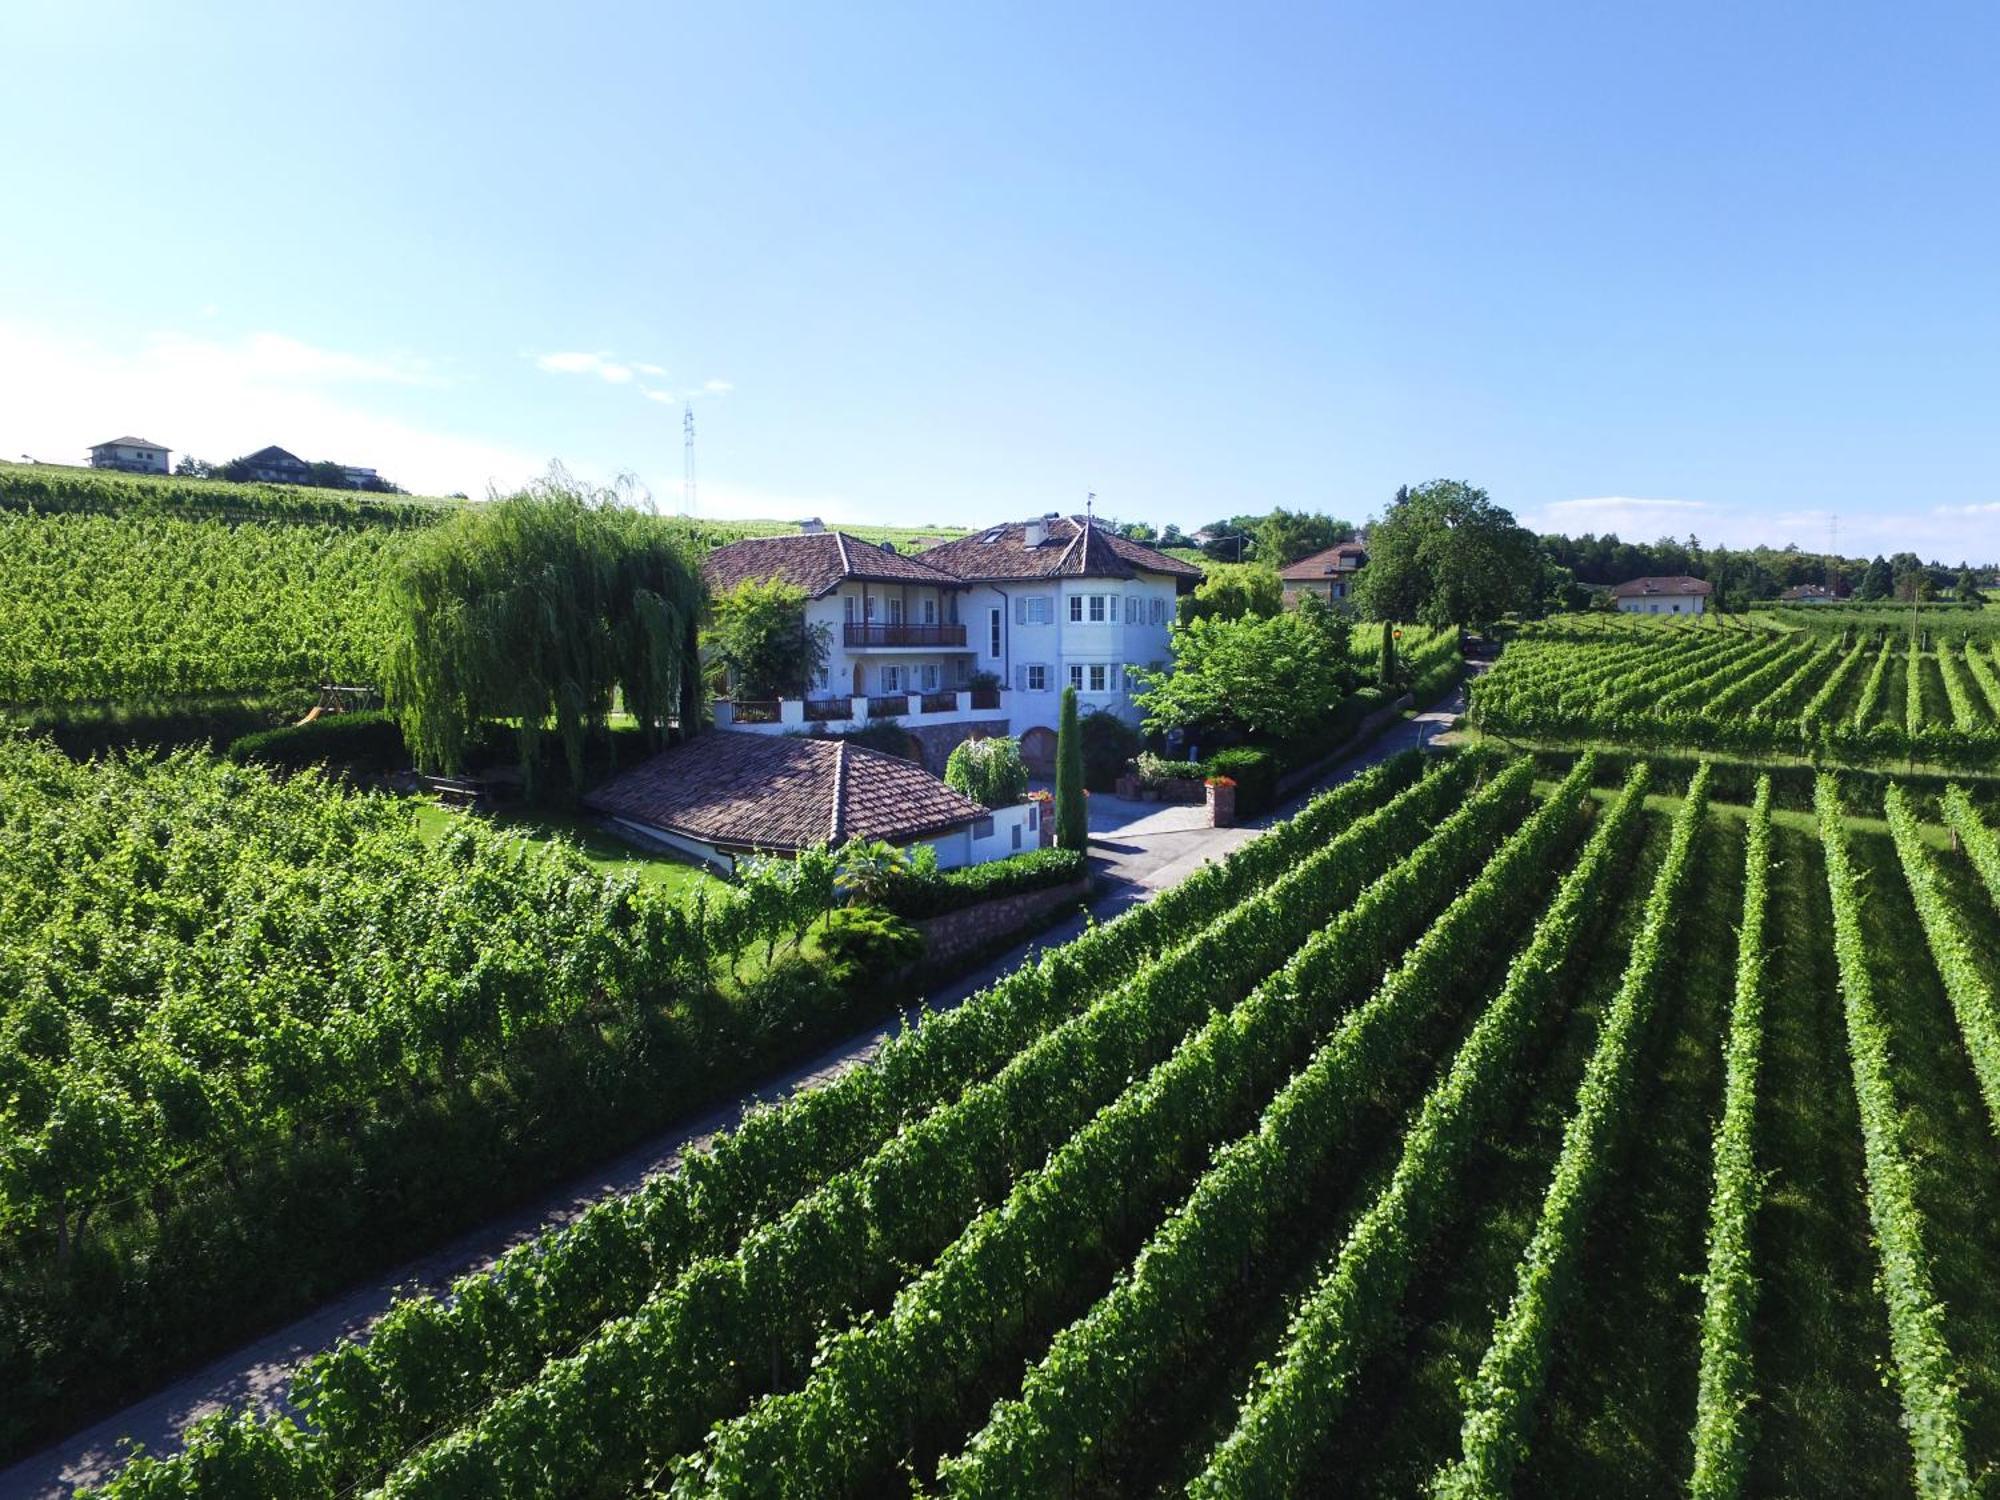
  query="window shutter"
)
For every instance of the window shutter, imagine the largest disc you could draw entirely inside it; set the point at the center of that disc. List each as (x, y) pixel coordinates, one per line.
(1020, 610)
(1020, 677)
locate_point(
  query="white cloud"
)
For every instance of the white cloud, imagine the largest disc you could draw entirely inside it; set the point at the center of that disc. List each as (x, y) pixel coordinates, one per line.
(717, 387)
(217, 399)
(652, 395)
(1987, 508)
(645, 369)
(576, 362)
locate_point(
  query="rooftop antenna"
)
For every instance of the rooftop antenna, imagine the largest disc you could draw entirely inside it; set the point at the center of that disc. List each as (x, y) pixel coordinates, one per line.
(1089, 499)
(687, 459)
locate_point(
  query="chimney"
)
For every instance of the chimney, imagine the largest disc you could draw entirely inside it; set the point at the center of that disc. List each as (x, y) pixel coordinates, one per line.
(812, 527)
(1036, 533)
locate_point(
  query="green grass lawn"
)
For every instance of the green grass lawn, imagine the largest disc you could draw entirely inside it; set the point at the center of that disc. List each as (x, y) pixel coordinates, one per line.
(604, 851)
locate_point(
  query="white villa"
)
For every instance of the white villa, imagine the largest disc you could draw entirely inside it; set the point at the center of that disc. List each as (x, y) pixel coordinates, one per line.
(1025, 609)
(1662, 596)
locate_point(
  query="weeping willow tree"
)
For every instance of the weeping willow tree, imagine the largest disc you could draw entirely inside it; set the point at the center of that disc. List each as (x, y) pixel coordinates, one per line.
(540, 609)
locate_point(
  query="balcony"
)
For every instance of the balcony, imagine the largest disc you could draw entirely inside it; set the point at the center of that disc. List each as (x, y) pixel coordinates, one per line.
(877, 637)
(839, 715)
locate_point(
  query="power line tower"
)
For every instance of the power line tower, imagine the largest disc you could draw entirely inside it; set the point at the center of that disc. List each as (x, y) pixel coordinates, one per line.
(687, 459)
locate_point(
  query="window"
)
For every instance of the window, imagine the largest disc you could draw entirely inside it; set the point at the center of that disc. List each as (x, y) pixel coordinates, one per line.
(1096, 609)
(1112, 601)
(1038, 678)
(1076, 675)
(1159, 611)
(1016, 831)
(1037, 609)
(930, 676)
(1097, 676)
(961, 669)
(868, 611)
(892, 680)
(930, 611)
(1034, 817)
(1076, 608)
(993, 634)
(896, 610)
(848, 601)
(983, 828)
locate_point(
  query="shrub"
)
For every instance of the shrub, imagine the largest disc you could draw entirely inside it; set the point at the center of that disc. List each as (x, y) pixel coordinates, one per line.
(368, 740)
(887, 735)
(865, 943)
(1254, 769)
(1109, 744)
(1032, 870)
(990, 772)
(1155, 769)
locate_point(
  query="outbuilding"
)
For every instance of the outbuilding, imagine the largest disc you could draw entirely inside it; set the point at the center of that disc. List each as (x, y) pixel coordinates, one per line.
(728, 794)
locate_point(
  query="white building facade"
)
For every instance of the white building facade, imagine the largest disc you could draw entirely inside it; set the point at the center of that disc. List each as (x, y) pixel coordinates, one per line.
(1662, 596)
(986, 630)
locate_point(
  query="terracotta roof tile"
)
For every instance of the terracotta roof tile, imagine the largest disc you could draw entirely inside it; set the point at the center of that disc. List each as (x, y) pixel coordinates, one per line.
(1324, 564)
(816, 562)
(1073, 548)
(1636, 587)
(783, 793)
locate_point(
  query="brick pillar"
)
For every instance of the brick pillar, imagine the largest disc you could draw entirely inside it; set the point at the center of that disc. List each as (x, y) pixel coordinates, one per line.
(1221, 804)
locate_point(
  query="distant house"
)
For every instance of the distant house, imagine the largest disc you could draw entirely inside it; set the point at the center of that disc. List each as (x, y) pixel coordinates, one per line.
(361, 479)
(1809, 593)
(276, 466)
(1662, 596)
(1329, 575)
(132, 455)
(725, 795)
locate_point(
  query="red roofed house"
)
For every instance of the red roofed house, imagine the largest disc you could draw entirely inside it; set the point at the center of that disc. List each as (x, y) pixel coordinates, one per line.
(724, 795)
(1041, 605)
(1329, 574)
(1662, 596)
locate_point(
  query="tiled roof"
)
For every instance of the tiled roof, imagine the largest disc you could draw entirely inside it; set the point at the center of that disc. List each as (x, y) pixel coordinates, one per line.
(1321, 564)
(127, 442)
(1073, 548)
(782, 793)
(1636, 587)
(273, 455)
(815, 562)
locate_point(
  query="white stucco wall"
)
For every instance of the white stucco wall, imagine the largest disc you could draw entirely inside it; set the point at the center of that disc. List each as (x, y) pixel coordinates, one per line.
(1662, 604)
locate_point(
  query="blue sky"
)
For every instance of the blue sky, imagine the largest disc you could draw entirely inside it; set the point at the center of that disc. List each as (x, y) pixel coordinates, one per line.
(1707, 268)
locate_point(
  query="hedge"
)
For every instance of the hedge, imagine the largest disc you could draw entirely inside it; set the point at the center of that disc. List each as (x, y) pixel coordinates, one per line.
(367, 740)
(954, 890)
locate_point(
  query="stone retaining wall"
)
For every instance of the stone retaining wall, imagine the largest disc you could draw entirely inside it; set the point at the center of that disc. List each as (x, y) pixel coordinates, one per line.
(958, 933)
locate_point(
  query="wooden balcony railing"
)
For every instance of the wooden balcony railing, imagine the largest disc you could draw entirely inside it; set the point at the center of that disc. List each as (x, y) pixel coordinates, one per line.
(903, 635)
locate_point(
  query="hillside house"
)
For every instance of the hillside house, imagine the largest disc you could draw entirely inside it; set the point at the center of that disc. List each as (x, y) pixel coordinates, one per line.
(274, 465)
(1039, 605)
(130, 455)
(1809, 593)
(1329, 575)
(721, 797)
(1662, 596)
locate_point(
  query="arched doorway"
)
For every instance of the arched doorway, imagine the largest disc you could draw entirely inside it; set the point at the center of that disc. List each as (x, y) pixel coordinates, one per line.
(1038, 751)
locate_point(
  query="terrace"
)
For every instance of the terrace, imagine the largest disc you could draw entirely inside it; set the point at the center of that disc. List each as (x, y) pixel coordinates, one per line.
(842, 714)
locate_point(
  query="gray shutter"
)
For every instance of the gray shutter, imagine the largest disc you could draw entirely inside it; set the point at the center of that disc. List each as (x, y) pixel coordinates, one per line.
(1020, 609)
(1020, 677)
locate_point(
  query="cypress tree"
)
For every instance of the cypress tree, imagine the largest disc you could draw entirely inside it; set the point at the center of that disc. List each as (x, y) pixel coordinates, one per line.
(1072, 815)
(1386, 673)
